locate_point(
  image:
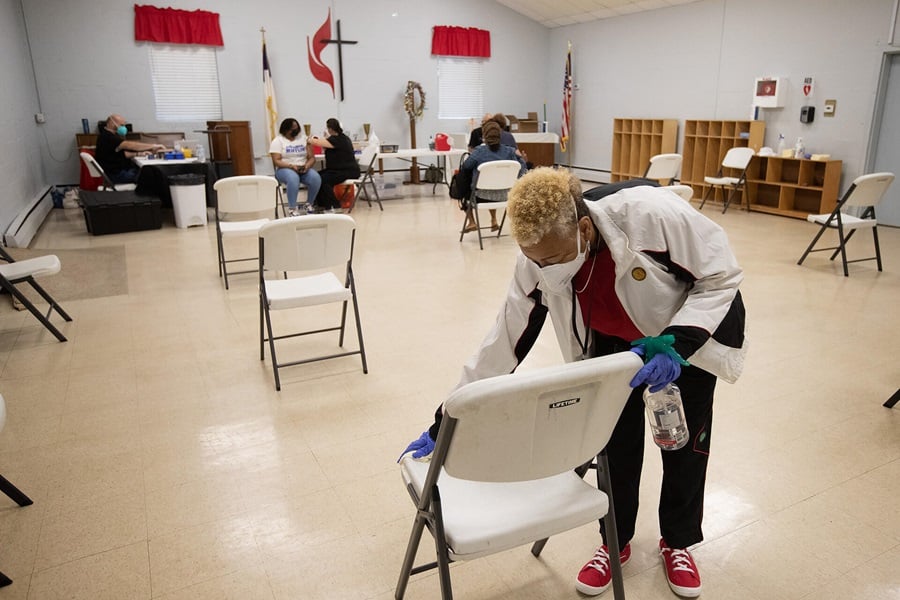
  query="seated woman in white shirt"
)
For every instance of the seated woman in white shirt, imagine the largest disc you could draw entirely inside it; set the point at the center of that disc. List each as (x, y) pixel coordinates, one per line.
(293, 161)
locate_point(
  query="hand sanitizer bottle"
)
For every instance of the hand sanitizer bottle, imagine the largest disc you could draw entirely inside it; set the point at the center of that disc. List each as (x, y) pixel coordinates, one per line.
(665, 413)
(780, 144)
(798, 148)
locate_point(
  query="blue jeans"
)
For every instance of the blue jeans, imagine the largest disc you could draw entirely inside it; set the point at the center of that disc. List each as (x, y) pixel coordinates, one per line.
(310, 178)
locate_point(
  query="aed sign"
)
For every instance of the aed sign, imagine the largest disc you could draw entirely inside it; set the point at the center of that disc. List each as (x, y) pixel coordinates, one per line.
(807, 87)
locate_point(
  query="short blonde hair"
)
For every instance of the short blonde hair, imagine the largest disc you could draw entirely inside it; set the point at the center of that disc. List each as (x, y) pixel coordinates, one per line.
(543, 200)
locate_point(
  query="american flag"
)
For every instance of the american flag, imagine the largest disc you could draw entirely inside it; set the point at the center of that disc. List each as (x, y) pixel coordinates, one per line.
(271, 106)
(567, 102)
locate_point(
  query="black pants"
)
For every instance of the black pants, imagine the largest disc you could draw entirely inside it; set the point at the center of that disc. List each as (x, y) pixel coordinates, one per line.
(330, 178)
(684, 470)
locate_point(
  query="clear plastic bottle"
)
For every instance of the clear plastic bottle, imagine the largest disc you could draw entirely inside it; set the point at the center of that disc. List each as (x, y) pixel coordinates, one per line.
(200, 153)
(799, 150)
(780, 144)
(665, 412)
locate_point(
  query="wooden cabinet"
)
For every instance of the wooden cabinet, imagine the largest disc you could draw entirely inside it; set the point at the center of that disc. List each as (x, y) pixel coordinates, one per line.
(793, 187)
(231, 147)
(635, 141)
(705, 145)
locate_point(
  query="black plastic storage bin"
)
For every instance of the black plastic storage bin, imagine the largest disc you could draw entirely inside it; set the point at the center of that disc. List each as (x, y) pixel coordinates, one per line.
(119, 212)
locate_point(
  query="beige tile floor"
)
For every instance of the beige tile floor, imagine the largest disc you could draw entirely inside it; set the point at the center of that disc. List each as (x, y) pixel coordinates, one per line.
(164, 465)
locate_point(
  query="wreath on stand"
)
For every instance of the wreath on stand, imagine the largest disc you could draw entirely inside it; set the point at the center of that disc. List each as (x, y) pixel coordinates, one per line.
(414, 109)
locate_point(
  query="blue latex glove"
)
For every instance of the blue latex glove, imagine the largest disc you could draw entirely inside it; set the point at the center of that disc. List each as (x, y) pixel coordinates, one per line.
(420, 448)
(658, 372)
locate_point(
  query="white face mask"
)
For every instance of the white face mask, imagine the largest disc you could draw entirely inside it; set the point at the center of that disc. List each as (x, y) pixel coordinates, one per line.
(558, 277)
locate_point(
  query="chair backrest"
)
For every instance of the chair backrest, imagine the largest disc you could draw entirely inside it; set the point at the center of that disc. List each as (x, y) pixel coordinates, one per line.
(95, 169)
(685, 191)
(868, 190)
(2, 412)
(663, 166)
(738, 158)
(246, 193)
(498, 174)
(526, 426)
(306, 243)
(367, 157)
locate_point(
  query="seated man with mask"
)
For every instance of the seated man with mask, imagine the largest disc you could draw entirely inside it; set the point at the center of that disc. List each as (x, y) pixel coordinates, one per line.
(114, 152)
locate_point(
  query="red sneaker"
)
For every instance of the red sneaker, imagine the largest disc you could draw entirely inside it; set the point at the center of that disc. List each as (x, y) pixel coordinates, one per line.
(596, 576)
(681, 572)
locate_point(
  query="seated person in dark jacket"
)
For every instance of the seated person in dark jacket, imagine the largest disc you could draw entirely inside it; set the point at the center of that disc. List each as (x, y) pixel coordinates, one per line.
(114, 152)
(340, 164)
(489, 151)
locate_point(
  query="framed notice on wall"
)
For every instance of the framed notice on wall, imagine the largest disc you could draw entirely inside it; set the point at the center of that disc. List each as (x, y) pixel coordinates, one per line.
(769, 92)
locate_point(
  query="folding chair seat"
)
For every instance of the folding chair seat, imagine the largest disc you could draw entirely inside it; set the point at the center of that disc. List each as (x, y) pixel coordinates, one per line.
(8, 488)
(366, 173)
(737, 159)
(502, 473)
(302, 248)
(663, 167)
(494, 175)
(866, 192)
(96, 170)
(24, 271)
(243, 198)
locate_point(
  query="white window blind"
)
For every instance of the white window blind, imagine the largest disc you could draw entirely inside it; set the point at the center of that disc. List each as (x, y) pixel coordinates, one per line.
(185, 82)
(460, 88)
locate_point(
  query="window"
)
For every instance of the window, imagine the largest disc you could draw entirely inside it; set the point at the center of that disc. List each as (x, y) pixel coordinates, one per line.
(185, 82)
(460, 88)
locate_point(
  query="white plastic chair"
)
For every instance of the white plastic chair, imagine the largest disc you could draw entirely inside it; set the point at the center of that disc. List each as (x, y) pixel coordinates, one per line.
(366, 162)
(502, 472)
(13, 272)
(737, 159)
(663, 167)
(96, 170)
(685, 191)
(866, 191)
(243, 198)
(306, 244)
(8, 488)
(493, 175)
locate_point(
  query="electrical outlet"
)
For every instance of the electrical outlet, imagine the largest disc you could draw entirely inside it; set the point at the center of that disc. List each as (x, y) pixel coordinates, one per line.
(39, 118)
(829, 108)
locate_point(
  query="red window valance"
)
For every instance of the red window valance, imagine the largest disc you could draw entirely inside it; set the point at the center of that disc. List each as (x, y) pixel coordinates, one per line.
(173, 26)
(461, 41)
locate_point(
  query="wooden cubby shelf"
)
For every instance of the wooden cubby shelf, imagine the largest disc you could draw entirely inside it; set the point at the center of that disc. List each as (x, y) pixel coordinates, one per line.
(705, 145)
(635, 141)
(793, 187)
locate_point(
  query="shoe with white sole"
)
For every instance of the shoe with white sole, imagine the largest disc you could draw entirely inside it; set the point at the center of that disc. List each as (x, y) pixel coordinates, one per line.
(681, 572)
(595, 577)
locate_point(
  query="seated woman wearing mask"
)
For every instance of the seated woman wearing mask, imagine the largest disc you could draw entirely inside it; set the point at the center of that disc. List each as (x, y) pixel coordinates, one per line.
(293, 162)
(611, 273)
(340, 164)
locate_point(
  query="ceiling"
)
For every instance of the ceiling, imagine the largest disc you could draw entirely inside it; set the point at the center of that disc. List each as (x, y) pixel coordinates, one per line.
(556, 13)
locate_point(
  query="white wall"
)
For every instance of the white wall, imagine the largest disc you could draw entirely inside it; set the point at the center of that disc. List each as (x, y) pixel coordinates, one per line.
(699, 60)
(88, 65)
(20, 160)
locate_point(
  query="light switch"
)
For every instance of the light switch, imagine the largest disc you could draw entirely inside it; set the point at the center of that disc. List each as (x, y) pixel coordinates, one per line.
(830, 106)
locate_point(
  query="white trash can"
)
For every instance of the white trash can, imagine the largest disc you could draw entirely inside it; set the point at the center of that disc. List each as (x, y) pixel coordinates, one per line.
(188, 199)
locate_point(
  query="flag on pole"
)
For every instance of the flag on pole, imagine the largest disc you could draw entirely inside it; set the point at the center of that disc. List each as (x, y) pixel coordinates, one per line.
(271, 106)
(566, 103)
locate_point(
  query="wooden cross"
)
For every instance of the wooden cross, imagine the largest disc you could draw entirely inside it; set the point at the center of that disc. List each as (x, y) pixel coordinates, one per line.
(340, 42)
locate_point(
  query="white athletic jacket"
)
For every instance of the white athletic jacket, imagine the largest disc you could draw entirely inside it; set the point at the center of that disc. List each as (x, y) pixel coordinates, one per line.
(674, 271)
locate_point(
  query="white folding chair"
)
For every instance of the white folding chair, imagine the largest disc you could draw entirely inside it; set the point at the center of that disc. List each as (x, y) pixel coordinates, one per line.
(366, 172)
(685, 191)
(8, 488)
(502, 472)
(866, 191)
(14, 272)
(737, 159)
(243, 198)
(493, 175)
(96, 170)
(305, 244)
(663, 168)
